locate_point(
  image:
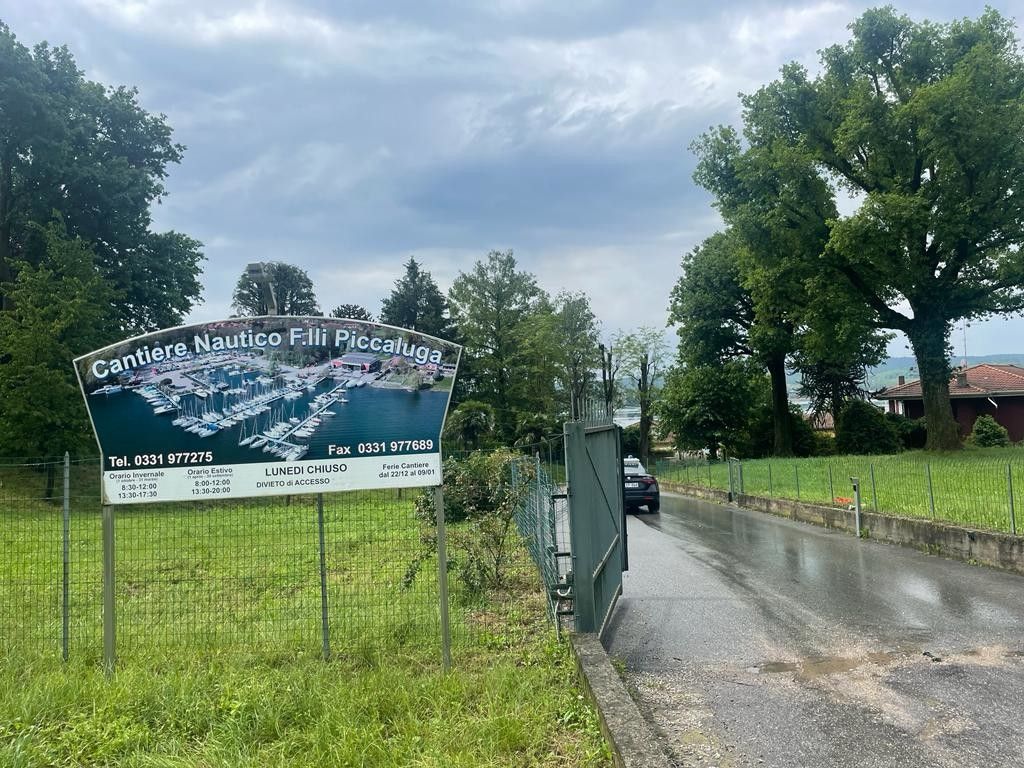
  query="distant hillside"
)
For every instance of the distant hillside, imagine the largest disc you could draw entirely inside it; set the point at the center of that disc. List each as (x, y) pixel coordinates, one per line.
(887, 374)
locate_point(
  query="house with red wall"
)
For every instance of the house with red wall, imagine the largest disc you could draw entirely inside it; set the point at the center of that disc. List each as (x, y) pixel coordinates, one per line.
(995, 390)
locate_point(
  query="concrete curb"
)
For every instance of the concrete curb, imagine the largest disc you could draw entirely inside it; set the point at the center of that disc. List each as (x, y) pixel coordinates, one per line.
(633, 743)
(999, 550)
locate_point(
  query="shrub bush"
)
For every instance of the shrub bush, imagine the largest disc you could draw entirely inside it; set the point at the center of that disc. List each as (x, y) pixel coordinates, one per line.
(481, 494)
(989, 433)
(761, 434)
(912, 433)
(478, 484)
(863, 429)
(824, 444)
(805, 441)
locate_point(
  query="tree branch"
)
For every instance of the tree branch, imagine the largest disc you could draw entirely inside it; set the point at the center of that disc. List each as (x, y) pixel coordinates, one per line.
(889, 316)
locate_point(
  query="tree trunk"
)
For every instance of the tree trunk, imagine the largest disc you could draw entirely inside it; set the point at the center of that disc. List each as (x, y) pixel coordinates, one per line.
(783, 430)
(646, 420)
(929, 340)
(607, 380)
(579, 393)
(644, 449)
(504, 417)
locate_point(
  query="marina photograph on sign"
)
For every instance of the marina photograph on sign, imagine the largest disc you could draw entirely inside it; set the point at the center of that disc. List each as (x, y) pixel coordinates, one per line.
(311, 393)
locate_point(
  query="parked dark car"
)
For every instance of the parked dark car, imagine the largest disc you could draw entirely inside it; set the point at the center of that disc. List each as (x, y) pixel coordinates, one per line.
(641, 488)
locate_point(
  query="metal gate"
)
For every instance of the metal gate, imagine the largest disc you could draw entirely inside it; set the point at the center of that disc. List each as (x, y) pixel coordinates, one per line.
(597, 520)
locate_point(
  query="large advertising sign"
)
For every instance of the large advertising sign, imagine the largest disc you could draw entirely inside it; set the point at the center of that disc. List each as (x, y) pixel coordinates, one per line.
(260, 406)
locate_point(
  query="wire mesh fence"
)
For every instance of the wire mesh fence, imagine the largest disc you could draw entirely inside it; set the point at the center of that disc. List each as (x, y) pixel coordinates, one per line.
(32, 557)
(975, 491)
(242, 578)
(542, 518)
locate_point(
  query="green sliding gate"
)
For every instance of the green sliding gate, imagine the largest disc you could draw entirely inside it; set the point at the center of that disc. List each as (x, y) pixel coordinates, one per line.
(597, 520)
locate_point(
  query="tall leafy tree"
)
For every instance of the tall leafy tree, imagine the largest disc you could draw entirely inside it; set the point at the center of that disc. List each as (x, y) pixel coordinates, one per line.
(776, 207)
(353, 311)
(60, 308)
(642, 359)
(712, 310)
(560, 340)
(576, 348)
(718, 319)
(721, 318)
(93, 155)
(494, 306)
(711, 406)
(292, 288)
(417, 303)
(540, 400)
(915, 120)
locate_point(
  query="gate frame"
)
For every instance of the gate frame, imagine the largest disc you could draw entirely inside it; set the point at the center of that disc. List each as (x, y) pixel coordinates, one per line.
(595, 508)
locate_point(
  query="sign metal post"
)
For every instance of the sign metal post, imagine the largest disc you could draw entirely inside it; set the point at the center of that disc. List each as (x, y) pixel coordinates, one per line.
(109, 620)
(442, 580)
(325, 627)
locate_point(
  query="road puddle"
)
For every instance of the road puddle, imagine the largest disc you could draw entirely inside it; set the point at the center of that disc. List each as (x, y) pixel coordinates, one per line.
(818, 667)
(822, 666)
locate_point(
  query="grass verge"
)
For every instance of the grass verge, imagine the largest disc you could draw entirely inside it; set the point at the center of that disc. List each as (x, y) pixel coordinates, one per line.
(982, 488)
(219, 640)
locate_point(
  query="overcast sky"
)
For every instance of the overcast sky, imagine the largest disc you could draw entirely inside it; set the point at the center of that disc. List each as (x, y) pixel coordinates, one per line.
(344, 137)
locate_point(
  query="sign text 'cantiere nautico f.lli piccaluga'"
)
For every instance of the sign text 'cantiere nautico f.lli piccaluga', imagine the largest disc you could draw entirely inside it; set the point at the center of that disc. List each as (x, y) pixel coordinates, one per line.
(260, 406)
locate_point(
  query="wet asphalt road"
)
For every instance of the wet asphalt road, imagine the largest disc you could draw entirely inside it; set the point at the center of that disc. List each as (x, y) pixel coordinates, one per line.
(752, 640)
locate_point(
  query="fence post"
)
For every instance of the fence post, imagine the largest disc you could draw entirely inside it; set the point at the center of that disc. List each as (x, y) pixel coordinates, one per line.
(442, 580)
(1013, 512)
(549, 512)
(65, 618)
(796, 474)
(731, 492)
(325, 627)
(109, 624)
(539, 544)
(931, 494)
(739, 470)
(874, 493)
(709, 473)
(770, 491)
(856, 504)
(831, 487)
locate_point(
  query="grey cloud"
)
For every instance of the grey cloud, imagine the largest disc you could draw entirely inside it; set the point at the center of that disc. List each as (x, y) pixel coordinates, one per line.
(343, 141)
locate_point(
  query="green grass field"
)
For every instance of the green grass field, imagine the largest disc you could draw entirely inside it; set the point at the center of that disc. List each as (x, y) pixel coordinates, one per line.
(219, 643)
(970, 488)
